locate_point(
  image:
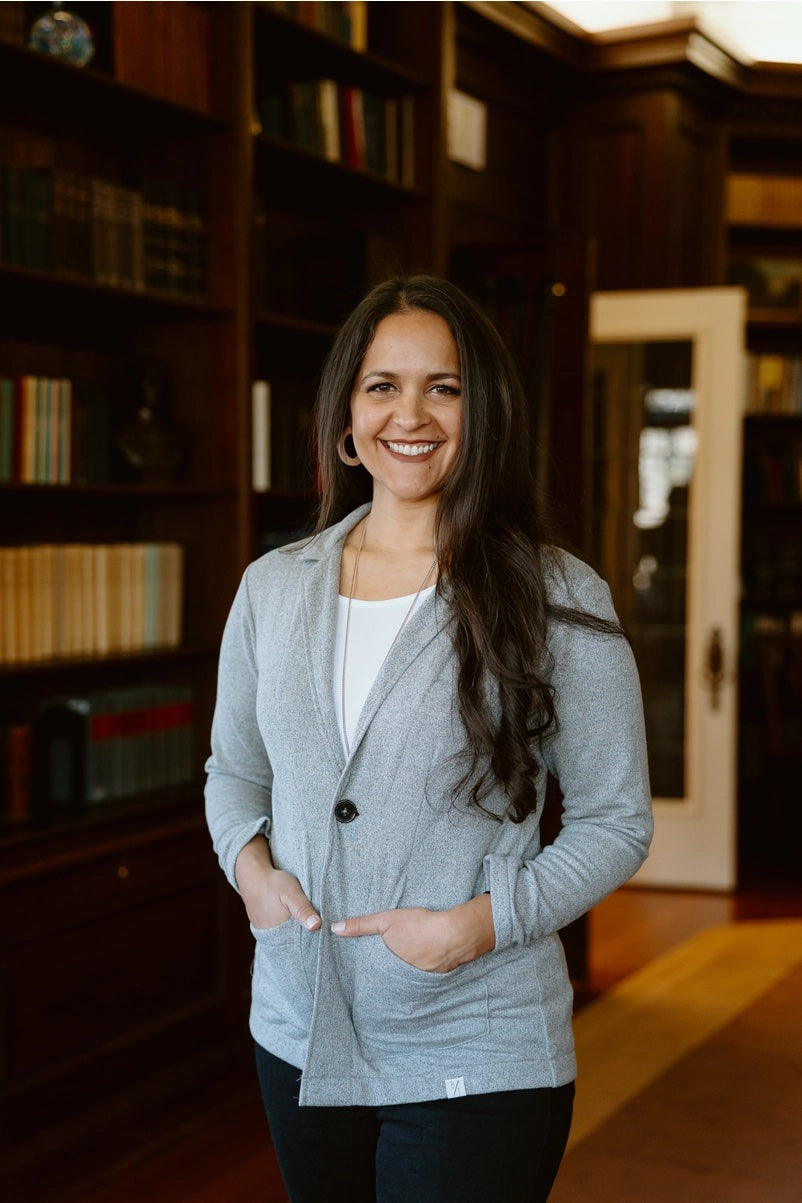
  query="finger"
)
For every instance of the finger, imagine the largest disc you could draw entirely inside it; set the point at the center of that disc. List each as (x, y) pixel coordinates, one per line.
(302, 911)
(363, 925)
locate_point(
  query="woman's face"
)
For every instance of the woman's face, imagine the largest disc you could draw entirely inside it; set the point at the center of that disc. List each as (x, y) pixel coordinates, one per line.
(406, 407)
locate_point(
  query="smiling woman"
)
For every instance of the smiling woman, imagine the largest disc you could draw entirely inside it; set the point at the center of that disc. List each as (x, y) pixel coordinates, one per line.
(392, 696)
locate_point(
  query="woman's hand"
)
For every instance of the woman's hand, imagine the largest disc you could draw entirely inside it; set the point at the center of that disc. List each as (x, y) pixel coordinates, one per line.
(436, 941)
(271, 895)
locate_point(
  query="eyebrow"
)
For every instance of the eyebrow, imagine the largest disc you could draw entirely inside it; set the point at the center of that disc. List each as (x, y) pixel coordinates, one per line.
(388, 375)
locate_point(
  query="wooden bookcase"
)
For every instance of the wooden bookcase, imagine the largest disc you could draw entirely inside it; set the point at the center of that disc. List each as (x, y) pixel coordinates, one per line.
(763, 239)
(112, 959)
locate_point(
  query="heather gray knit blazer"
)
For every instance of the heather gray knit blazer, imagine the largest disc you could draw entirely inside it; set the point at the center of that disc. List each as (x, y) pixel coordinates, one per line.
(365, 1027)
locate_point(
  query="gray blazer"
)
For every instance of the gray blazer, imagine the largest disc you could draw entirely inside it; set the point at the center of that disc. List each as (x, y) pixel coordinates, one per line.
(366, 1027)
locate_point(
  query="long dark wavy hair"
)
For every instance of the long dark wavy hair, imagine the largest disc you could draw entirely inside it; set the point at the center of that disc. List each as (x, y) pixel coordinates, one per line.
(489, 533)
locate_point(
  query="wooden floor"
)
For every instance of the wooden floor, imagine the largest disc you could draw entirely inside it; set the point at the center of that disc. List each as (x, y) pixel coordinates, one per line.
(226, 1157)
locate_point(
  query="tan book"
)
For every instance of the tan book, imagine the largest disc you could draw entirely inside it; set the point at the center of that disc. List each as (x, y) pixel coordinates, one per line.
(138, 559)
(101, 645)
(29, 428)
(113, 585)
(59, 612)
(42, 602)
(71, 587)
(23, 602)
(764, 200)
(86, 599)
(125, 556)
(8, 629)
(172, 594)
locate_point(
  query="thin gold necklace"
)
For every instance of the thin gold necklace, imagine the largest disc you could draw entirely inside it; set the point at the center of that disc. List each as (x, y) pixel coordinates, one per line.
(351, 592)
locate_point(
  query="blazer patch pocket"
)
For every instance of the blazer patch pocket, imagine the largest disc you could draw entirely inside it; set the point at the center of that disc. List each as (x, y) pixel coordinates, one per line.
(397, 1006)
(279, 974)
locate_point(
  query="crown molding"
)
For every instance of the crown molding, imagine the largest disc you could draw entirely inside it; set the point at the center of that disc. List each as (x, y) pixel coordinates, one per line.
(666, 43)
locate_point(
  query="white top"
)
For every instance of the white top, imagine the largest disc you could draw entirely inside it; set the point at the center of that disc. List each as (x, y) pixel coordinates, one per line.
(372, 632)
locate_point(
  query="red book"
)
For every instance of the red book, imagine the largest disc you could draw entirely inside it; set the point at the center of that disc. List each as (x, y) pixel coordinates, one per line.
(17, 773)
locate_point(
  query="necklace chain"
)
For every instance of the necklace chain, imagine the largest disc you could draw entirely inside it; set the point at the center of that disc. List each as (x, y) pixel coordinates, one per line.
(351, 592)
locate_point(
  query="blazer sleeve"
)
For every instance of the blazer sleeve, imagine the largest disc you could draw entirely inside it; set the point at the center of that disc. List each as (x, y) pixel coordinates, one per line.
(239, 776)
(598, 755)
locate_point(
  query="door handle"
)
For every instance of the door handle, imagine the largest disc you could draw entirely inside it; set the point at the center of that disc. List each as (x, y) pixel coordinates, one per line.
(714, 667)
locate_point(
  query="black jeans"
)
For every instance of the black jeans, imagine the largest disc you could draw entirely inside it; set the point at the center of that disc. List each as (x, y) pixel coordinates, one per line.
(504, 1147)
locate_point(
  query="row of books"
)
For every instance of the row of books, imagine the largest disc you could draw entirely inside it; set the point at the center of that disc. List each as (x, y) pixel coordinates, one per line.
(151, 237)
(36, 430)
(346, 20)
(89, 599)
(774, 384)
(346, 124)
(764, 200)
(96, 747)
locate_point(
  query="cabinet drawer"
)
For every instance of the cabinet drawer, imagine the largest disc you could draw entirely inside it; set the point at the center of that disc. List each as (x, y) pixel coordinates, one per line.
(97, 954)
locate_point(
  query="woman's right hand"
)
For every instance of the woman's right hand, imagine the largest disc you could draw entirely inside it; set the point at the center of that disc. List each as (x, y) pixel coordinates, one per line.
(271, 896)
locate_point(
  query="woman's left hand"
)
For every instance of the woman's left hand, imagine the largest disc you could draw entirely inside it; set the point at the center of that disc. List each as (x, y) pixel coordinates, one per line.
(435, 941)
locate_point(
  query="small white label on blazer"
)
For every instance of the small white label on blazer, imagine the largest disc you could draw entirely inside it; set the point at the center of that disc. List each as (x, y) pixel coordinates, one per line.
(455, 1088)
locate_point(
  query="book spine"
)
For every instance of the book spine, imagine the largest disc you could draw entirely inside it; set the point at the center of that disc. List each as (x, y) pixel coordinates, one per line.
(8, 604)
(6, 430)
(16, 777)
(261, 441)
(64, 435)
(28, 429)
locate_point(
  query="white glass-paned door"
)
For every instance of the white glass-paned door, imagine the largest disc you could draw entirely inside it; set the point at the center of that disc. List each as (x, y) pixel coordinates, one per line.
(665, 459)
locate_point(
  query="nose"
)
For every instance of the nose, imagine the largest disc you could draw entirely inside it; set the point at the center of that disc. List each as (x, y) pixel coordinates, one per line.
(410, 410)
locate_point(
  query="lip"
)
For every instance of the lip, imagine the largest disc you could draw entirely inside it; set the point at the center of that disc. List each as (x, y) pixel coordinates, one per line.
(415, 457)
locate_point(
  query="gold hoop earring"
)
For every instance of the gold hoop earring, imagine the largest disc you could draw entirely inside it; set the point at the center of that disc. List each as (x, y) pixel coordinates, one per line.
(346, 449)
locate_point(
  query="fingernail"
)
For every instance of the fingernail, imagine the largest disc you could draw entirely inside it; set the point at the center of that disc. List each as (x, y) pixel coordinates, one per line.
(312, 921)
(339, 927)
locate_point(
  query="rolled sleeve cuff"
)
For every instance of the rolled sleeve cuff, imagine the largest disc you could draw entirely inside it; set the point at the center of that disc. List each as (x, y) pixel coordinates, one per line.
(500, 877)
(246, 834)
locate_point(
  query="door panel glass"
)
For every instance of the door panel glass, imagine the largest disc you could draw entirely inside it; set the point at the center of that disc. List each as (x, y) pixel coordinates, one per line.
(644, 446)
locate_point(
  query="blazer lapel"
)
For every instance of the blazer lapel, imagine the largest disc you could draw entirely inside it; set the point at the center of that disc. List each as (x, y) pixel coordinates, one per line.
(321, 588)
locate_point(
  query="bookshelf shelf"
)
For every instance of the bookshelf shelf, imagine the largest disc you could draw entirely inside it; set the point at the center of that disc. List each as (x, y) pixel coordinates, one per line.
(65, 843)
(136, 493)
(282, 323)
(62, 288)
(78, 88)
(770, 318)
(64, 667)
(309, 164)
(325, 55)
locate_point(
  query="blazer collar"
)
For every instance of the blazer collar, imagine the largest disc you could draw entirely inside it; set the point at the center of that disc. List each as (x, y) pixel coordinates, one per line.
(321, 588)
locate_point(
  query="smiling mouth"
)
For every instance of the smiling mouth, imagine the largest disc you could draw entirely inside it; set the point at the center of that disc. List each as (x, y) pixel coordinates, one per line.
(411, 449)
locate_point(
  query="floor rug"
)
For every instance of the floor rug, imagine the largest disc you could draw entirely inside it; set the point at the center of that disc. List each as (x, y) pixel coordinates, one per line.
(690, 1076)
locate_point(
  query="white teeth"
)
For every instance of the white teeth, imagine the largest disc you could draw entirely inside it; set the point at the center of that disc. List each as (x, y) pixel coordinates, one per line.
(412, 448)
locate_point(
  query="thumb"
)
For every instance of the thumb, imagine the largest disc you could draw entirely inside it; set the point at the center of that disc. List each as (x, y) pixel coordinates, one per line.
(363, 925)
(301, 909)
